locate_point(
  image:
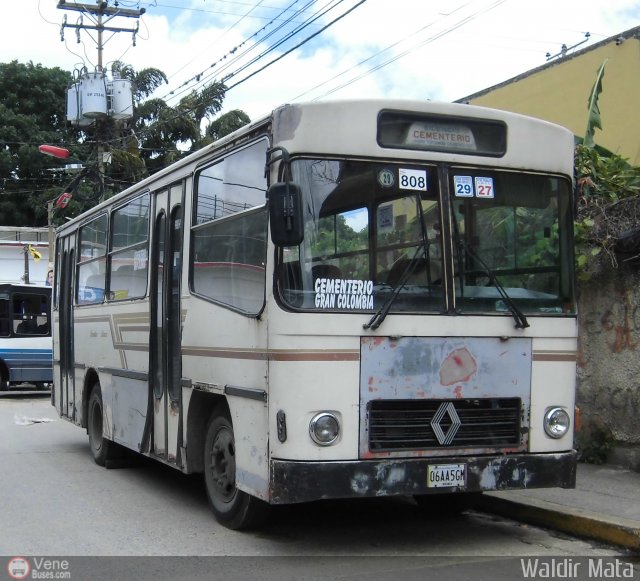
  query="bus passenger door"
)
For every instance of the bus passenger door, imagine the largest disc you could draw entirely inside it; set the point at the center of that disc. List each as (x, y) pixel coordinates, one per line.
(65, 389)
(165, 368)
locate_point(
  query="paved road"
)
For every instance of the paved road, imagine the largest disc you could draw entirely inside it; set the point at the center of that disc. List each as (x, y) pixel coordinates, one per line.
(56, 501)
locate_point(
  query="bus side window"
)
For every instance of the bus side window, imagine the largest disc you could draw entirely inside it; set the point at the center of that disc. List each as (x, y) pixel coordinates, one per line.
(128, 283)
(93, 290)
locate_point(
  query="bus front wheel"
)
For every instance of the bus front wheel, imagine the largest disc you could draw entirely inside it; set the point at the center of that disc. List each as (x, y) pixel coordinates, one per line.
(101, 448)
(232, 508)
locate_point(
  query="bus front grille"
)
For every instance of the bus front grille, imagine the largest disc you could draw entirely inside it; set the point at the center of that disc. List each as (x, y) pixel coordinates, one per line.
(419, 424)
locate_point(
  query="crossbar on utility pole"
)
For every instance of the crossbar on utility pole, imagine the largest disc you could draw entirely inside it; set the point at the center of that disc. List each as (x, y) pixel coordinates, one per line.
(101, 8)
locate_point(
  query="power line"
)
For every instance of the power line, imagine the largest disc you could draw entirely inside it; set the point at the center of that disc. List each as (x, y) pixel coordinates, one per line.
(429, 40)
(289, 35)
(386, 49)
(298, 45)
(198, 77)
(316, 16)
(236, 57)
(221, 12)
(254, 7)
(188, 110)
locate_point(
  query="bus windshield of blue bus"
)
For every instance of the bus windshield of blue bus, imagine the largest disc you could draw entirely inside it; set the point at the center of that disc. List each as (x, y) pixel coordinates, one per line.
(24, 314)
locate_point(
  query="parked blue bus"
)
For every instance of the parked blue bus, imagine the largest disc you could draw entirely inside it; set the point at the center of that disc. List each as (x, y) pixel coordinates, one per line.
(25, 336)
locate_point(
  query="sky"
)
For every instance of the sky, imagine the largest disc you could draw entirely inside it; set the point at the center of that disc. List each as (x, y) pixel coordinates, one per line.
(441, 50)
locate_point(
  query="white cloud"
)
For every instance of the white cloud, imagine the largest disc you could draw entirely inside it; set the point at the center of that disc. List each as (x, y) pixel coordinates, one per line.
(427, 50)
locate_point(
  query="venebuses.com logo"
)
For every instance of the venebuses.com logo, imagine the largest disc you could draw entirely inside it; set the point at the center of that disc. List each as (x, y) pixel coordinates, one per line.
(38, 568)
(18, 568)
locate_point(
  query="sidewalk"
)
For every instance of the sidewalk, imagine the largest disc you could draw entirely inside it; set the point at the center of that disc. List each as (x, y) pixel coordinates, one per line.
(605, 505)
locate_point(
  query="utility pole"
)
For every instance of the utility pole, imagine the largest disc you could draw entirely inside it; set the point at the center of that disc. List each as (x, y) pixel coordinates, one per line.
(25, 251)
(97, 13)
(51, 233)
(100, 15)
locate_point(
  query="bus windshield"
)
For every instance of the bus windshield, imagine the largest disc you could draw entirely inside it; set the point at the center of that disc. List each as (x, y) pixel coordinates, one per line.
(362, 235)
(511, 230)
(374, 234)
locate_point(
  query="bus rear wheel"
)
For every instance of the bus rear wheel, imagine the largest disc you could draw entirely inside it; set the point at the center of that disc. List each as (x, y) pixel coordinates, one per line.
(232, 508)
(102, 449)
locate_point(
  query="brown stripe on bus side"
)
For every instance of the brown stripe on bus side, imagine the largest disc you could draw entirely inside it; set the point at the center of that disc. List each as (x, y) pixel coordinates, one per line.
(314, 355)
(555, 356)
(275, 355)
(224, 353)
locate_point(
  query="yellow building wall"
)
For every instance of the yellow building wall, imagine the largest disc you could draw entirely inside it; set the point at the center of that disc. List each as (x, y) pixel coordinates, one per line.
(559, 92)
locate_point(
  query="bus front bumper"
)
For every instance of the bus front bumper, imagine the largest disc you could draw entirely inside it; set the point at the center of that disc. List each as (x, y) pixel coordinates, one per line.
(297, 481)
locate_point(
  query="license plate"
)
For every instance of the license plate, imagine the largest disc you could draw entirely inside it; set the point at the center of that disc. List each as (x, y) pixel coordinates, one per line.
(446, 475)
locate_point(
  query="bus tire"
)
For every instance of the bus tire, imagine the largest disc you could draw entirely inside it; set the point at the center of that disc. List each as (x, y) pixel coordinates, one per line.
(232, 508)
(102, 449)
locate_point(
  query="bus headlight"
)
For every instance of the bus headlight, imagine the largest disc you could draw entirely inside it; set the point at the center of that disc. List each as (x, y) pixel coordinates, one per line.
(556, 422)
(324, 428)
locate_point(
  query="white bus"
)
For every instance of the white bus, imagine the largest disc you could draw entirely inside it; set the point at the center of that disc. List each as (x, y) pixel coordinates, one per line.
(340, 300)
(25, 336)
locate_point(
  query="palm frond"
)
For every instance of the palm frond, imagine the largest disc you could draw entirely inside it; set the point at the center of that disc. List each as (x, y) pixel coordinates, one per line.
(593, 120)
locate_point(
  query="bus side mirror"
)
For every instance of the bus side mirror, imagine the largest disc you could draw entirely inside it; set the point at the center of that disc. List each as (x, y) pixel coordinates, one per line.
(285, 213)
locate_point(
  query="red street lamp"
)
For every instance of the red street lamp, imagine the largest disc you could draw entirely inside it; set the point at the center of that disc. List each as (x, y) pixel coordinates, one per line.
(63, 200)
(54, 151)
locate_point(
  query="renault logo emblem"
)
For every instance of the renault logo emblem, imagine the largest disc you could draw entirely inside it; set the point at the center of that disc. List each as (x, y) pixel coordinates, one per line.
(446, 408)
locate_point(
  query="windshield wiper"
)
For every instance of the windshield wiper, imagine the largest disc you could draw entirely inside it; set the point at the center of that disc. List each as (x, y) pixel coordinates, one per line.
(383, 311)
(461, 244)
(380, 315)
(518, 315)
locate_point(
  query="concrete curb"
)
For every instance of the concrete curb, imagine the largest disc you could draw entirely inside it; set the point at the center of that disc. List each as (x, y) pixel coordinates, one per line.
(621, 532)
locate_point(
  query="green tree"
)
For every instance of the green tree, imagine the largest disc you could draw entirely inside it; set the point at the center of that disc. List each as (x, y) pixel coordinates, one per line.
(143, 82)
(227, 123)
(32, 112)
(166, 132)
